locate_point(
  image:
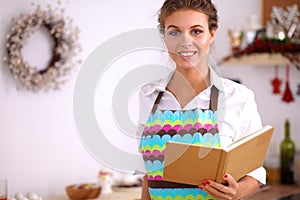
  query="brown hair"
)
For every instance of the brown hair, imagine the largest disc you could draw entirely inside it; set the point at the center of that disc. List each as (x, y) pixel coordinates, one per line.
(204, 6)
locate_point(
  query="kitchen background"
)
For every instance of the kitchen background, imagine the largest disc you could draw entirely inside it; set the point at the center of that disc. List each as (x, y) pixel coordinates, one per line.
(40, 149)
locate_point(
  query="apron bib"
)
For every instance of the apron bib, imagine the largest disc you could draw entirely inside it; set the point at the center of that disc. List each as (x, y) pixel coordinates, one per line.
(196, 126)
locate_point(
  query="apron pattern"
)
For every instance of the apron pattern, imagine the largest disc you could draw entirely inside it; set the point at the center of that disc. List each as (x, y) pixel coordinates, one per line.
(192, 127)
(181, 194)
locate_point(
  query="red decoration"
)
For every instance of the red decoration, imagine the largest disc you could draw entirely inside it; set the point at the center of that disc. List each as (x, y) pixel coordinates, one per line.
(287, 48)
(287, 95)
(276, 82)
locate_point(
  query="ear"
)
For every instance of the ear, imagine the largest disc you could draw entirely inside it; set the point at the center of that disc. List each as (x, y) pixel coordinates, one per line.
(212, 36)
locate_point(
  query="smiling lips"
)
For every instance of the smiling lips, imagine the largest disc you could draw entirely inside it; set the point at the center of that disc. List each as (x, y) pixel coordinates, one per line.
(187, 54)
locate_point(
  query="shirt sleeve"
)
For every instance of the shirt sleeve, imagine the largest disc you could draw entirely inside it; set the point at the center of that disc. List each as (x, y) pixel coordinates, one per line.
(251, 117)
(142, 118)
(145, 102)
(259, 174)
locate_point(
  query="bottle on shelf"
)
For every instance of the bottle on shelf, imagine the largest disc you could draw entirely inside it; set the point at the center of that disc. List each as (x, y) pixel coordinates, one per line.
(287, 155)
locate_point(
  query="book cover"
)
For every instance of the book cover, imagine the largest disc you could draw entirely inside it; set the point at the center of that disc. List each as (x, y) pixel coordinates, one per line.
(192, 164)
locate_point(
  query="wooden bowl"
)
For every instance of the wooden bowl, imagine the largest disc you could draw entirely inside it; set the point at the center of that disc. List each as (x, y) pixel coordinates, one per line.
(83, 191)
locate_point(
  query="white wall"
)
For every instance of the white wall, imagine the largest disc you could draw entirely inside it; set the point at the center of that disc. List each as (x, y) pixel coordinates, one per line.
(40, 150)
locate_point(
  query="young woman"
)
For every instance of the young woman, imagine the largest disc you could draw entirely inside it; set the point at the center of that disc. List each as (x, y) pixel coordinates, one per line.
(194, 105)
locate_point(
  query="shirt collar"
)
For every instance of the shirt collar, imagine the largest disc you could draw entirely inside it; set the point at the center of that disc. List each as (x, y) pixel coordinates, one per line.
(158, 85)
(216, 79)
(161, 84)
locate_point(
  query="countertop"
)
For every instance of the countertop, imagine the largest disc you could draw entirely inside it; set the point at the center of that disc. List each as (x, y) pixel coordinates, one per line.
(119, 193)
(134, 193)
(272, 191)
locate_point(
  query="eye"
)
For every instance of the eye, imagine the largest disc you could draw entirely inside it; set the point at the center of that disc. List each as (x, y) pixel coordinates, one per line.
(174, 33)
(196, 31)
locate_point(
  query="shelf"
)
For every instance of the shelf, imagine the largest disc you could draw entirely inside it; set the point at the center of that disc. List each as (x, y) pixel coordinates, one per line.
(258, 59)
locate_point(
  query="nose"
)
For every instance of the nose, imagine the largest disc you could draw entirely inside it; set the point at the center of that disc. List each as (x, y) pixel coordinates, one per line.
(186, 40)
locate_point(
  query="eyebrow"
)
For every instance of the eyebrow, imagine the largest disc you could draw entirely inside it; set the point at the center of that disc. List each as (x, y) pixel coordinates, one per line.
(173, 26)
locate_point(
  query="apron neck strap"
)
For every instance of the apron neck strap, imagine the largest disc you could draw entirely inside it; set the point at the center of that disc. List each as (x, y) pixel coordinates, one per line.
(156, 102)
(213, 102)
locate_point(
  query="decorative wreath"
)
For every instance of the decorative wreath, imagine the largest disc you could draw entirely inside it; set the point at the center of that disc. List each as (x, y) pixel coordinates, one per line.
(65, 48)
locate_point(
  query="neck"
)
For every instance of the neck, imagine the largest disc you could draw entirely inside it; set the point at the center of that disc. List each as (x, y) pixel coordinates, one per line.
(198, 79)
(188, 83)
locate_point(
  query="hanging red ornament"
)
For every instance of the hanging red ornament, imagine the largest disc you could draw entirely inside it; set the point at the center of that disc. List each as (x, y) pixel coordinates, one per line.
(287, 95)
(276, 82)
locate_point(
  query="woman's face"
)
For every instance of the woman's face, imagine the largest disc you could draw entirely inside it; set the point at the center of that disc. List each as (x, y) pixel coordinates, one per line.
(188, 38)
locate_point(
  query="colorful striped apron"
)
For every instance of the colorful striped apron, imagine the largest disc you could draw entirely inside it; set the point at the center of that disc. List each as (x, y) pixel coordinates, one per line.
(196, 126)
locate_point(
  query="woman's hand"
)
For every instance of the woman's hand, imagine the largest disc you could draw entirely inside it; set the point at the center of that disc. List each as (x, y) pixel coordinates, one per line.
(221, 192)
(233, 190)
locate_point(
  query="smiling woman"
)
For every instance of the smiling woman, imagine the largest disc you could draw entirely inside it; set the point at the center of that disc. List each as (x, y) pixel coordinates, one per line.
(188, 106)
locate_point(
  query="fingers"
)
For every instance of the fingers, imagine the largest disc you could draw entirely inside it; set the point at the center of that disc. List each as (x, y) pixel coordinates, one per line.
(220, 191)
(217, 190)
(230, 180)
(232, 186)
